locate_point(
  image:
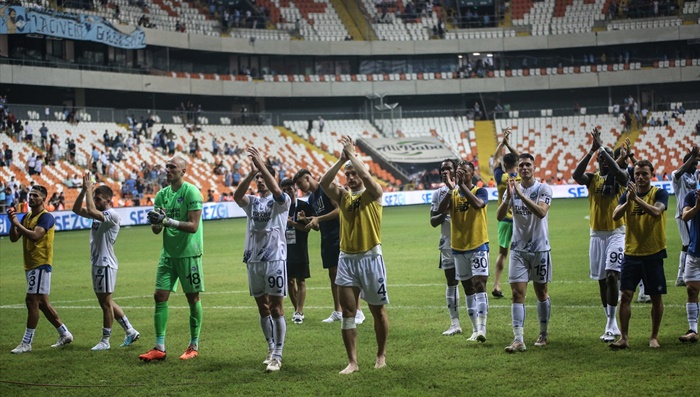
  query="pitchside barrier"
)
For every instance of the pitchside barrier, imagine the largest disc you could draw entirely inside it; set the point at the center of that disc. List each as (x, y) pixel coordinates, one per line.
(134, 216)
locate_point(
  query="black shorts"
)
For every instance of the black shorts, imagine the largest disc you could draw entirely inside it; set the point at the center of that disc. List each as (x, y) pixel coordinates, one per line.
(298, 270)
(648, 269)
(330, 254)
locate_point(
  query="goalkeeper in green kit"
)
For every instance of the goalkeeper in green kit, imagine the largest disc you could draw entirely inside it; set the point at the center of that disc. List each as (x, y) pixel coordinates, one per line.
(177, 213)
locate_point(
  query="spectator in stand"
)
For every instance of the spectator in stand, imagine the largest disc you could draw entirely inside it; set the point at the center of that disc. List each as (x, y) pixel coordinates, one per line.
(44, 135)
(38, 165)
(214, 146)
(8, 155)
(31, 162)
(171, 147)
(28, 132)
(194, 146)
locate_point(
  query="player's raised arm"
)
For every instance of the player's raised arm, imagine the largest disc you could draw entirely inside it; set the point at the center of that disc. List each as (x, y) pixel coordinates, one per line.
(580, 175)
(333, 191)
(239, 196)
(373, 188)
(86, 192)
(688, 164)
(270, 181)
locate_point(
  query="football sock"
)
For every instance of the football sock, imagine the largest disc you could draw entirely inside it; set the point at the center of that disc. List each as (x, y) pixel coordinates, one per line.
(160, 320)
(29, 334)
(279, 330)
(195, 322)
(543, 311)
(692, 310)
(612, 321)
(106, 333)
(452, 297)
(471, 310)
(62, 330)
(681, 265)
(482, 310)
(125, 324)
(266, 325)
(517, 313)
(641, 288)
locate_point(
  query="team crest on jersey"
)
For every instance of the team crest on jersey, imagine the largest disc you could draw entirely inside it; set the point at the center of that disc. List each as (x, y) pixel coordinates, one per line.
(179, 200)
(533, 195)
(33, 272)
(354, 205)
(542, 260)
(193, 268)
(279, 272)
(381, 280)
(99, 271)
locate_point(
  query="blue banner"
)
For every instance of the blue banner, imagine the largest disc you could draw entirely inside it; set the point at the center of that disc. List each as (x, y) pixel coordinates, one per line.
(20, 20)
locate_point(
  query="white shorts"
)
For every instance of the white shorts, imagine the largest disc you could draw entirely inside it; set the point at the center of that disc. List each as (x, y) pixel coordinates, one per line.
(471, 264)
(366, 271)
(447, 260)
(39, 280)
(606, 252)
(684, 231)
(267, 278)
(692, 268)
(530, 266)
(104, 278)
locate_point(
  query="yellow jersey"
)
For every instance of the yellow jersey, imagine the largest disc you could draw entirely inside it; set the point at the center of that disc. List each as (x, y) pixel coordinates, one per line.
(602, 206)
(41, 252)
(469, 226)
(360, 223)
(646, 234)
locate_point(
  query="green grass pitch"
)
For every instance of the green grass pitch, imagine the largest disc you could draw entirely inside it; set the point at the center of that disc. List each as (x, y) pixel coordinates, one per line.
(420, 360)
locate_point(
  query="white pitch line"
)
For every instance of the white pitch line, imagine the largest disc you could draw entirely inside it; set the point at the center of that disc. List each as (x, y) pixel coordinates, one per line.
(389, 307)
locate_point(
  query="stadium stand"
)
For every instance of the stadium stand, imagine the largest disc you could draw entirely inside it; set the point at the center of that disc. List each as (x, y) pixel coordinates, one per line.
(558, 143)
(162, 14)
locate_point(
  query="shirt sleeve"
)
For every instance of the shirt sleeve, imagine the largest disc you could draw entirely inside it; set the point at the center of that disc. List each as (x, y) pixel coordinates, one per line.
(111, 217)
(498, 175)
(689, 200)
(46, 221)
(662, 197)
(483, 194)
(545, 195)
(194, 199)
(623, 198)
(435, 201)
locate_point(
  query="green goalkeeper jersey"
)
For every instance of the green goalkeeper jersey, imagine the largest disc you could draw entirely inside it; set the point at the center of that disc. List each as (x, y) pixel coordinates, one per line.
(176, 243)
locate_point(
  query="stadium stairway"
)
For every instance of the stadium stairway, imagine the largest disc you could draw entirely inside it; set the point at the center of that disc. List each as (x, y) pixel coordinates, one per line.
(348, 13)
(485, 146)
(296, 138)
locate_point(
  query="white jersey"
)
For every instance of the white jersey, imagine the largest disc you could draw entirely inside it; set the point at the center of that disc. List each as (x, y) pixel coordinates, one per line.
(103, 235)
(530, 233)
(445, 230)
(681, 187)
(267, 222)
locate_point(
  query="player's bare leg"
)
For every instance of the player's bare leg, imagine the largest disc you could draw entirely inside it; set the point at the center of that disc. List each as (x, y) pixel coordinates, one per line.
(381, 331)
(657, 313)
(625, 313)
(292, 292)
(332, 272)
(348, 299)
(500, 263)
